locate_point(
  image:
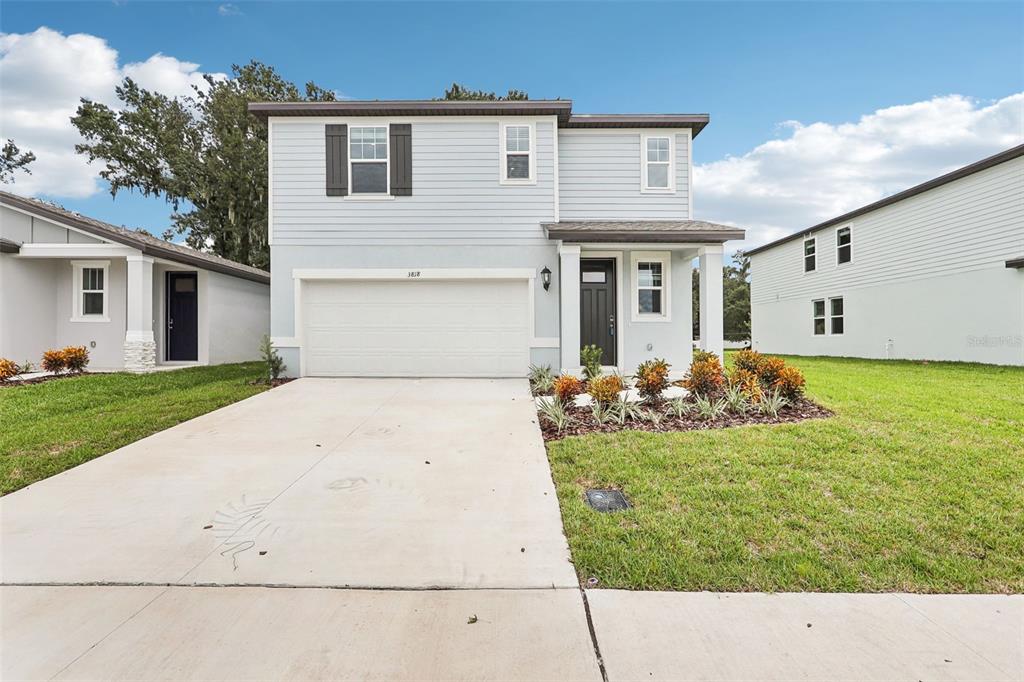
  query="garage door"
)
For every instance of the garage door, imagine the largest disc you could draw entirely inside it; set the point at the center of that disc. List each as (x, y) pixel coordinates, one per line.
(441, 328)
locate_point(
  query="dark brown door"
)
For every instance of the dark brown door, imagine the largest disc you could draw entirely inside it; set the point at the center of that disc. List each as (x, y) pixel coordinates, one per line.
(597, 307)
(182, 316)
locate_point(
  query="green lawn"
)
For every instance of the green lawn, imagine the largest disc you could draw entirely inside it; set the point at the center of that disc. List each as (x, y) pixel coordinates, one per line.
(50, 427)
(917, 484)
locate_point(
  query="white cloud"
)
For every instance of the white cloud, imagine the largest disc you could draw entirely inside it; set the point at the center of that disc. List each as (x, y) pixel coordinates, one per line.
(43, 75)
(819, 171)
(228, 9)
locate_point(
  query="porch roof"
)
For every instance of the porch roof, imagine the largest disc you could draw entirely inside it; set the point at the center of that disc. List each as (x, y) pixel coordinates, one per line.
(9, 246)
(1015, 263)
(639, 231)
(143, 241)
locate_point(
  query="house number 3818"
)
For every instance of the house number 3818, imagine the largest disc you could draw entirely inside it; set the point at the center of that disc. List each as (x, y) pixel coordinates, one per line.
(414, 273)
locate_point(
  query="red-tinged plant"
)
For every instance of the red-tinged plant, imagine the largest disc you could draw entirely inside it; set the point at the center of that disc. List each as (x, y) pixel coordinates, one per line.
(769, 370)
(605, 389)
(567, 387)
(652, 379)
(53, 361)
(790, 383)
(705, 378)
(8, 369)
(75, 358)
(748, 383)
(748, 360)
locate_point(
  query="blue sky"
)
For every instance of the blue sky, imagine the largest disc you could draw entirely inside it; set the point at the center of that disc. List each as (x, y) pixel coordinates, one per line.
(751, 66)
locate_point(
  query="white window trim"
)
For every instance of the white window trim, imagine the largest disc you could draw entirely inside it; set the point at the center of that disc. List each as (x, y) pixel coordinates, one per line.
(823, 318)
(77, 293)
(829, 316)
(503, 157)
(847, 226)
(644, 188)
(665, 258)
(803, 255)
(371, 196)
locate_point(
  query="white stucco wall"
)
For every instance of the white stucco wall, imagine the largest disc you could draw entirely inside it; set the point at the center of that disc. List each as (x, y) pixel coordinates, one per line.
(239, 315)
(28, 297)
(927, 279)
(104, 340)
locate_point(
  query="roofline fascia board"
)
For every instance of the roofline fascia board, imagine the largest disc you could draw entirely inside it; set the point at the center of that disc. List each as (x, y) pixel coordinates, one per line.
(965, 171)
(608, 237)
(560, 108)
(77, 251)
(56, 217)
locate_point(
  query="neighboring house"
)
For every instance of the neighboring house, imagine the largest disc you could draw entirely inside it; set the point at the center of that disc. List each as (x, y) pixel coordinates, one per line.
(133, 300)
(932, 273)
(434, 238)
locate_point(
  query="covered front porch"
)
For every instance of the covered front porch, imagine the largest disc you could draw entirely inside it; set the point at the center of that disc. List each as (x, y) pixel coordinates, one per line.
(627, 287)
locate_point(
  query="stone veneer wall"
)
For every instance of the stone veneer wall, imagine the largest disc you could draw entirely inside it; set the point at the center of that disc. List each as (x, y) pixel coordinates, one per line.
(139, 355)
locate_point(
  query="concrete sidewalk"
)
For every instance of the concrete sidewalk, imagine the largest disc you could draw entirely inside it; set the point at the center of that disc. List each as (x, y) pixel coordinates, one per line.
(808, 636)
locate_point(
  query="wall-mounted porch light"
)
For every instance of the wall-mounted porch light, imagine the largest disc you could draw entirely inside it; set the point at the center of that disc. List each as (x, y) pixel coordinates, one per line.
(545, 278)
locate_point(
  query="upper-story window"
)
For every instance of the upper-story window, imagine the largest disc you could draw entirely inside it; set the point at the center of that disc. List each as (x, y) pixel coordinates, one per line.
(844, 245)
(368, 156)
(657, 163)
(810, 255)
(517, 165)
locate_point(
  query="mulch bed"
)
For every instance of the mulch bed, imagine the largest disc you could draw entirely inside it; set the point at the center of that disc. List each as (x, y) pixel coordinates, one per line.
(583, 421)
(39, 380)
(274, 383)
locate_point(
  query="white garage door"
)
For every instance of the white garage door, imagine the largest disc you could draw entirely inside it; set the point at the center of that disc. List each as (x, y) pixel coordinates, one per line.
(440, 328)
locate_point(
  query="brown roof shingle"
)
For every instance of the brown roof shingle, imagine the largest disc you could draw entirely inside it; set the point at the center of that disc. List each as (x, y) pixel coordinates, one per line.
(654, 231)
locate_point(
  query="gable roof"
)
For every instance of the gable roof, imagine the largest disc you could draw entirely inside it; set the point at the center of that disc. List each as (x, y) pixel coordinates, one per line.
(994, 160)
(143, 241)
(562, 108)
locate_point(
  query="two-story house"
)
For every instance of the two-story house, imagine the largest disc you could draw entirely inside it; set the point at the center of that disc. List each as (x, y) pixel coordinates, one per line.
(935, 272)
(438, 238)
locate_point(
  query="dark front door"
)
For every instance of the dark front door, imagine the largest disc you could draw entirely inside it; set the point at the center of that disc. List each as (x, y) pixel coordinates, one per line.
(182, 316)
(597, 307)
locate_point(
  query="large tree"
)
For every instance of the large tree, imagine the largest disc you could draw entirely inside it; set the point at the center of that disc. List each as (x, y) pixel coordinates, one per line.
(735, 299)
(203, 153)
(460, 92)
(12, 160)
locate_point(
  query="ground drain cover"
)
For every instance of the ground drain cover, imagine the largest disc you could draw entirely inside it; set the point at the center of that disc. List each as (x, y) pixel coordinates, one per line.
(607, 500)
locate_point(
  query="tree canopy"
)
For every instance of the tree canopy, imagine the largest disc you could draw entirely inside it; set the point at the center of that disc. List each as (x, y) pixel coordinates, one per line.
(12, 160)
(203, 153)
(460, 92)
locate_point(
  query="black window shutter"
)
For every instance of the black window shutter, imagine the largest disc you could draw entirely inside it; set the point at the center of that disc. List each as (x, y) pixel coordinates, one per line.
(337, 160)
(401, 159)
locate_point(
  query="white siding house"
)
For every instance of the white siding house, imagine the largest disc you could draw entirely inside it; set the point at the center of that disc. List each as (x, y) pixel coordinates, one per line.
(424, 238)
(932, 273)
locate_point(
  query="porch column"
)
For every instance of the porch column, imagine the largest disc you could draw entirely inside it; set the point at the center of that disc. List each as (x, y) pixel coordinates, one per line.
(139, 344)
(569, 291)
(712, 309)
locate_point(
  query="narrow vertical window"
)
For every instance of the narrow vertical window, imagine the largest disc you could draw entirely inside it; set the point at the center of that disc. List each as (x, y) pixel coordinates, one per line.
(818, 313)
(368, 155)
(836, 315)
(810, 258)
(844, 245)
(518, 152)
(656, 154)
(90, 291)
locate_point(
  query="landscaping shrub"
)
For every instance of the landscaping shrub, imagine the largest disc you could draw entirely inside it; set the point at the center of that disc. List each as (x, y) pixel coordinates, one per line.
(769, 370)
(705, 377)
(590, 358)
(652, 379)
(541, 379)
(75, 358)
(748, 360)
(53, 361)
(26, 368)
(271, 358)
(700, 354)
(605, 390)
(747, 382)
(554, 412)
(789, 383)
(567, 387)
(8, 369)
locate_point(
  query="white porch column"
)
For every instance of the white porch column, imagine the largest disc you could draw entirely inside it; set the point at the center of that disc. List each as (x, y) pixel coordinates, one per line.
(139, 344)
(712, 308)
(569, 291)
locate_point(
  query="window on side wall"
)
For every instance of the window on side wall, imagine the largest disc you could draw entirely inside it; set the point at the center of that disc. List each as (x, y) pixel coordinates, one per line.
(517, 154)
(368, 156)
(844, 245)
(90, 291)
(810, 255)
(818, 312)
(657, 163)
(835, 306)
(650, 287)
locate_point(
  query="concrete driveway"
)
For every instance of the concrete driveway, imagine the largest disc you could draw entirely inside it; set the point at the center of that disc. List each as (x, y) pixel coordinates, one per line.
(432, 498)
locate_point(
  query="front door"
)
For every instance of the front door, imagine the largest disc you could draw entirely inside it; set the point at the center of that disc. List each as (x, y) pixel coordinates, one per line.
(182, 317)
(597, 307)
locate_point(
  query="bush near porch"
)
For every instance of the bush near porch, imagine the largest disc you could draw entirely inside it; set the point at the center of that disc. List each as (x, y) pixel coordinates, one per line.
(53, 426)
(916, 484)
